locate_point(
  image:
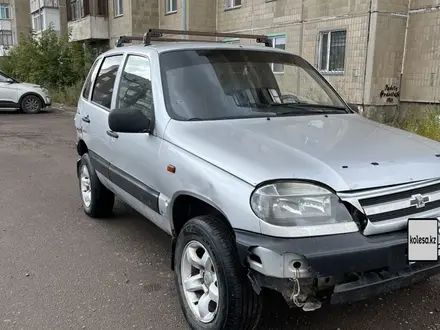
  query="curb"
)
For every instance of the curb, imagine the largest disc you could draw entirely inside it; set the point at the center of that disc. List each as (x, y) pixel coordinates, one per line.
(63, 107)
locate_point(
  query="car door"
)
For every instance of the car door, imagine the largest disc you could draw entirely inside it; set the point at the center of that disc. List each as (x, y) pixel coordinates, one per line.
(94, 113)
(84, 100)
(133, 165)
(8, 93)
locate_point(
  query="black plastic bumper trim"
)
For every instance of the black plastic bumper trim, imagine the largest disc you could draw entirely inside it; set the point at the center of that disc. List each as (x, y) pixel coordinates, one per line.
(335, 254)
(375, 284)
(142, 192)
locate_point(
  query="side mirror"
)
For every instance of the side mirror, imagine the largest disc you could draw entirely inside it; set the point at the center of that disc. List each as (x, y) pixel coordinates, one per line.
(9, 80)
(353, 107)
(127, 120)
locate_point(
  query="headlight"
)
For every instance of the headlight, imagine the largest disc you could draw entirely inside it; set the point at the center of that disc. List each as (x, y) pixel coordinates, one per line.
(292, 204)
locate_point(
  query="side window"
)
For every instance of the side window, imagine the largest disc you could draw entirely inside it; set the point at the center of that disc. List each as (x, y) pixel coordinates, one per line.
(105, 81)
(135, 90)
(90, 78)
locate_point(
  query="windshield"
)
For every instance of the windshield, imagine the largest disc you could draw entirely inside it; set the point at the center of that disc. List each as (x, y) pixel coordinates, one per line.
(4, 77)
(210, 84)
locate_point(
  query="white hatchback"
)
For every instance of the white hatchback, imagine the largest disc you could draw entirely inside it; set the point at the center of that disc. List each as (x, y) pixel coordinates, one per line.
(29, 98)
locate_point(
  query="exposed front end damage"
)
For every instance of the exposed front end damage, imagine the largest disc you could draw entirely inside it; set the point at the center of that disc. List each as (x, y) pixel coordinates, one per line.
(334, 269)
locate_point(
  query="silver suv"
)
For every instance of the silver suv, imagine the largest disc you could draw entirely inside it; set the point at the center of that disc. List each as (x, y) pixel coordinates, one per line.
(262, 175)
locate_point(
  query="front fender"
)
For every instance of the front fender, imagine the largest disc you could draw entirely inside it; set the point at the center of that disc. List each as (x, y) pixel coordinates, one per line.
(200, 179)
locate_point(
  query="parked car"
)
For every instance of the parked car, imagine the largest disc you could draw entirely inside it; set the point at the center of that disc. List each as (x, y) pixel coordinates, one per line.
(29, 98)
(305, 197)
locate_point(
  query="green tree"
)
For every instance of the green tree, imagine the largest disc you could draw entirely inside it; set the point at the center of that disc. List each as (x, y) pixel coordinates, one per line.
(50, 60)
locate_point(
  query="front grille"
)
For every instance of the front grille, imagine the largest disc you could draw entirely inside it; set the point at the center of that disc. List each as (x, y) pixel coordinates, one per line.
(388, 209)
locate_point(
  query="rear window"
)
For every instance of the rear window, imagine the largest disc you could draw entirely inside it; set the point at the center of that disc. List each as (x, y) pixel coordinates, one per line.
(91, 76)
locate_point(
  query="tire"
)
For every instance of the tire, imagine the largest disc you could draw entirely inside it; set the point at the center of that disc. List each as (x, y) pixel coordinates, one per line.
(238, 307)
(96, 199)
(31, 104)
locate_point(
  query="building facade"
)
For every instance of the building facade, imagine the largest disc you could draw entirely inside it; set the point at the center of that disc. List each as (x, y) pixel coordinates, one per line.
(376, 53)
(14, 21)
(100, 23)
(45, 13)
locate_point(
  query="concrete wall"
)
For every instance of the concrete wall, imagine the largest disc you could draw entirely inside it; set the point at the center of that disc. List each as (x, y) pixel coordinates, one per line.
(418, 4)
(138, 16)
(171, 20)
(21, 21)
(421, 78)
(51, 15)
(63, 17)
(89, 27)
(121, 25)
(388, 40)
(392, 6)
(145, 15)
(201, 15)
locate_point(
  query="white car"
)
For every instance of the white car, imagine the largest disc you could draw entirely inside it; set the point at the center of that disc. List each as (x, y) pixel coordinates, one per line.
(29, 98)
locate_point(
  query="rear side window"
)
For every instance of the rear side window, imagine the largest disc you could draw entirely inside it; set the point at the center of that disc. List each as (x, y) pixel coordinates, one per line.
(90, 78)
(105, 81)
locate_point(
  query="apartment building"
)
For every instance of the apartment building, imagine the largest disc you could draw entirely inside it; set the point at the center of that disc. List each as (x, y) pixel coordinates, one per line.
(101, 22)
(45, 13)
(14, 20)
(376, 53)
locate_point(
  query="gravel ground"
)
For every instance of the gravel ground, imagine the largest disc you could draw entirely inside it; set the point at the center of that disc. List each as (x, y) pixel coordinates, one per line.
(60, 269)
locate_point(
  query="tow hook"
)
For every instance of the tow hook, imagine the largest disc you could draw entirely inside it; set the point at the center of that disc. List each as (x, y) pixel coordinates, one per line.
(303, 297)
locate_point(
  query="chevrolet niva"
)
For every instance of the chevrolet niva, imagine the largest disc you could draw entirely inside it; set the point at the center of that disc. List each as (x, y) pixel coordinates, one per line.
(263, 176)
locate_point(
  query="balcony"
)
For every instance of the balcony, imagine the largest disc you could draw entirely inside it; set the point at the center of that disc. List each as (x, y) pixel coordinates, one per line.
(88, 19)
(40, 4)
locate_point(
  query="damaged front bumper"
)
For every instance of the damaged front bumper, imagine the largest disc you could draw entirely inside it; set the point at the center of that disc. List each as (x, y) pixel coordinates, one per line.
(341, 268)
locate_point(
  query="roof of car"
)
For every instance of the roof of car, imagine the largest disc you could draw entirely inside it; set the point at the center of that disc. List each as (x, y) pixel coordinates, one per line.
(162, 47)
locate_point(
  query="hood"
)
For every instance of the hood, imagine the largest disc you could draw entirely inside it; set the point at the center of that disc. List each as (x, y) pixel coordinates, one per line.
(345, 151)
(29, 85)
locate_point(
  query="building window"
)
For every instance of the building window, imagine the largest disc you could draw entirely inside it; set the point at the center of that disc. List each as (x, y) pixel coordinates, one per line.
(332, 51)
(279, 42)
(118, 8)
(6, 38)
(170, 6)
(5, 12)
(233, 3)
(77, 9)
(37, 22)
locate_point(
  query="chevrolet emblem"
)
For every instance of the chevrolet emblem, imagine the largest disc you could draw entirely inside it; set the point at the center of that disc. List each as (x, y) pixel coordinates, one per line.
(419, 200)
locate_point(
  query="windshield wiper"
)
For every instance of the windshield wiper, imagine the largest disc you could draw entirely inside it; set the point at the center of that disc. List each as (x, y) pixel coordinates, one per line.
(310, 108)
(323, 106)
(256, 114)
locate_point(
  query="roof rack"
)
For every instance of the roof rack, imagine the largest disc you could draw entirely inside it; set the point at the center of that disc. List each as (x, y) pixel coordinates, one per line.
(157, 35)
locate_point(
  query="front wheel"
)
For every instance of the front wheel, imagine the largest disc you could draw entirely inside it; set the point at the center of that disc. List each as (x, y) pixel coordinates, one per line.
(31, 104)
(213, 288)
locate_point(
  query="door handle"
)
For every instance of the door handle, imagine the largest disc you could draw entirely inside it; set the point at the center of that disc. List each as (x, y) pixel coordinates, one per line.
(86, 119)
(112, 134)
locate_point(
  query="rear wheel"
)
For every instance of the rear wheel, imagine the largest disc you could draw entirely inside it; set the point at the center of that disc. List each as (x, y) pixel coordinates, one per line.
(97, 200)
(31, 104)
(213, 288)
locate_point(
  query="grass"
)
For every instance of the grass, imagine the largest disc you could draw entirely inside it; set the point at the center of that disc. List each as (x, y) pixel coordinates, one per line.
(68, 95)
(423, 121)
